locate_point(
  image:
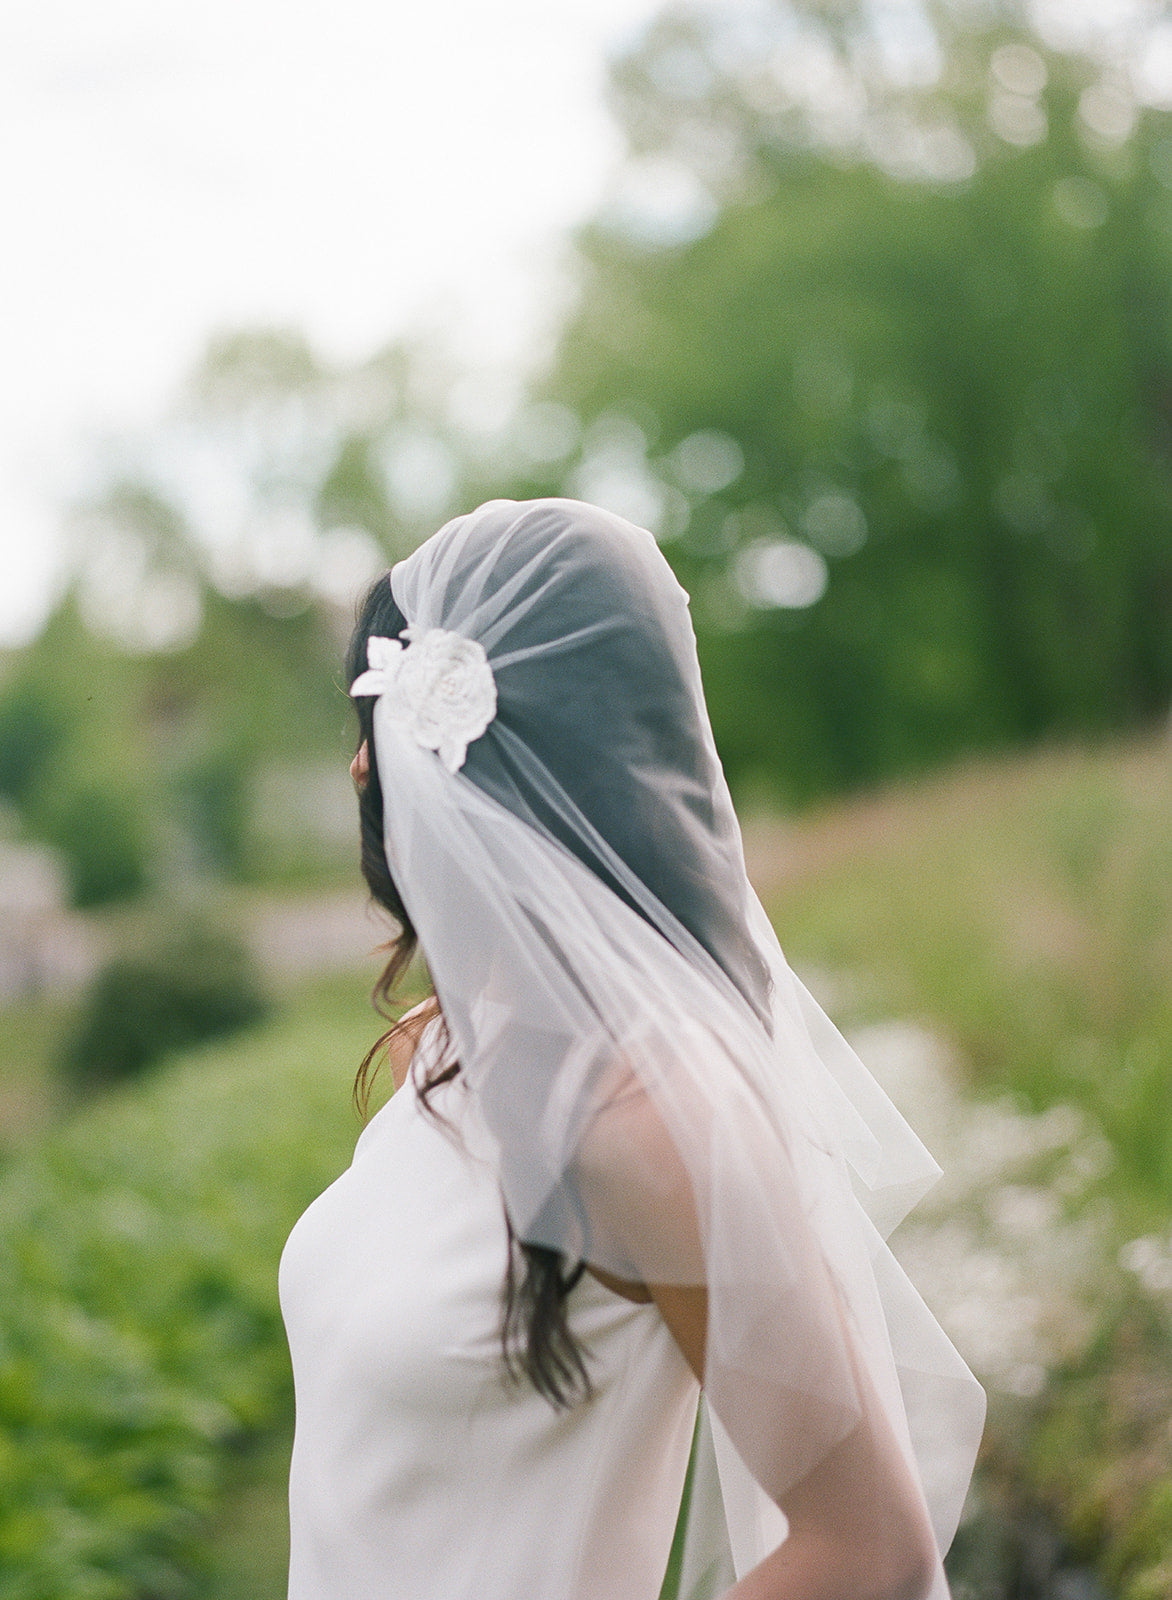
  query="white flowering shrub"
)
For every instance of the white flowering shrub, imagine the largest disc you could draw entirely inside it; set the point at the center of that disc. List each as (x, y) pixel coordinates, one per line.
(1011, 1247)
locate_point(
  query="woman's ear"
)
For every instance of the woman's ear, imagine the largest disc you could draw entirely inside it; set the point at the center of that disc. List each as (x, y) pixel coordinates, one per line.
(360, 767)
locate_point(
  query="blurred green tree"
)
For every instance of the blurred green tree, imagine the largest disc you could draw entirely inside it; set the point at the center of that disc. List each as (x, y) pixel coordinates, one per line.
(877, 329)
(100, 827)
(71, 759)
(875, 332)
(33, 728)
(199, 646)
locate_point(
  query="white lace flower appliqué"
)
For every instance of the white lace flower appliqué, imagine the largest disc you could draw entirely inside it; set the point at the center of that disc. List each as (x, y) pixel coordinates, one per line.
(439, 687)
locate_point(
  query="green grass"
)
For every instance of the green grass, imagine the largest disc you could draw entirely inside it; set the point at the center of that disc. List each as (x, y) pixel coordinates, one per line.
(1024, 909)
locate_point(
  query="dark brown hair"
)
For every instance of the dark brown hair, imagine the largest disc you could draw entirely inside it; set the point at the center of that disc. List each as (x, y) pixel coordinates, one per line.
(536, 1340)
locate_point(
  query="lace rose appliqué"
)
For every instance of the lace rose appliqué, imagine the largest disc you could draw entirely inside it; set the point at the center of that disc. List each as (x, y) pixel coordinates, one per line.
(439, 687)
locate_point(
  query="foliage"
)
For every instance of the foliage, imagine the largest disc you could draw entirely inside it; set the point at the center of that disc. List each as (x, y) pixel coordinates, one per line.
(139, 1330)
(1095, 1453)
(250, 690)
(32, 730)
(247, 1552)
(878, 339)
(141, 767)
(30, 1043)
(71, 759)
(1025, 907)
(1022, 908)
(211, 798)
(98, 826)
(890, 379)
(188, 986)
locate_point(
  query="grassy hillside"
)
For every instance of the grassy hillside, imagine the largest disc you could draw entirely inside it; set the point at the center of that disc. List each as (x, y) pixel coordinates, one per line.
(1024, 908)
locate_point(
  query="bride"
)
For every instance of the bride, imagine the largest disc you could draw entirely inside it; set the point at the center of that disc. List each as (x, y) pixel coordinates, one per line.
(606, 1279)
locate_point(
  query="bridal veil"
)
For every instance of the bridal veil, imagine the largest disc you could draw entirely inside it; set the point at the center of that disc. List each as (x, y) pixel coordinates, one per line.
(667, 1102)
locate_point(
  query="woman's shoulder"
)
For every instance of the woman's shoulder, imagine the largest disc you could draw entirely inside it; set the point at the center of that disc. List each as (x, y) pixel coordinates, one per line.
(406, 1037)
(414, 1032)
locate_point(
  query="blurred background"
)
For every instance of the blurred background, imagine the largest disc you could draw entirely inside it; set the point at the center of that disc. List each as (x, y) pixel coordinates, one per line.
(864, 308)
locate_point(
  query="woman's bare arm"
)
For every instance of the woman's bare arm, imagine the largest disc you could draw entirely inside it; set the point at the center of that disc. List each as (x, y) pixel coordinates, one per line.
(858, 1527)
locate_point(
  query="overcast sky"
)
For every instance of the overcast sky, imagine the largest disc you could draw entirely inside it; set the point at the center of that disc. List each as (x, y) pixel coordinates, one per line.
(172, 169)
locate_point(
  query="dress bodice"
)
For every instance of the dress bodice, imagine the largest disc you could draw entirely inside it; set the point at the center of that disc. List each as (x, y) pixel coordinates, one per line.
(420, 1471)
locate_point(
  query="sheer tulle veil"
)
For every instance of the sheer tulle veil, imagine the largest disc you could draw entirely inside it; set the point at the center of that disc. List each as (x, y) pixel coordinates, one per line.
(665, 1098)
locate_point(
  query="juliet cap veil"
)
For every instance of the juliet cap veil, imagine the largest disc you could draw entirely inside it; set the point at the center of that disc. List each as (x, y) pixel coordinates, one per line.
(665, 1098)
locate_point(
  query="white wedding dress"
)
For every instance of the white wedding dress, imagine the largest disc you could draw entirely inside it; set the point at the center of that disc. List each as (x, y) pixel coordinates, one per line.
(419, 1470)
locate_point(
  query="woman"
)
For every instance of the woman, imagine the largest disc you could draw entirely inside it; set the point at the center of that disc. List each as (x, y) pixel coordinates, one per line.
(628, 1158)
